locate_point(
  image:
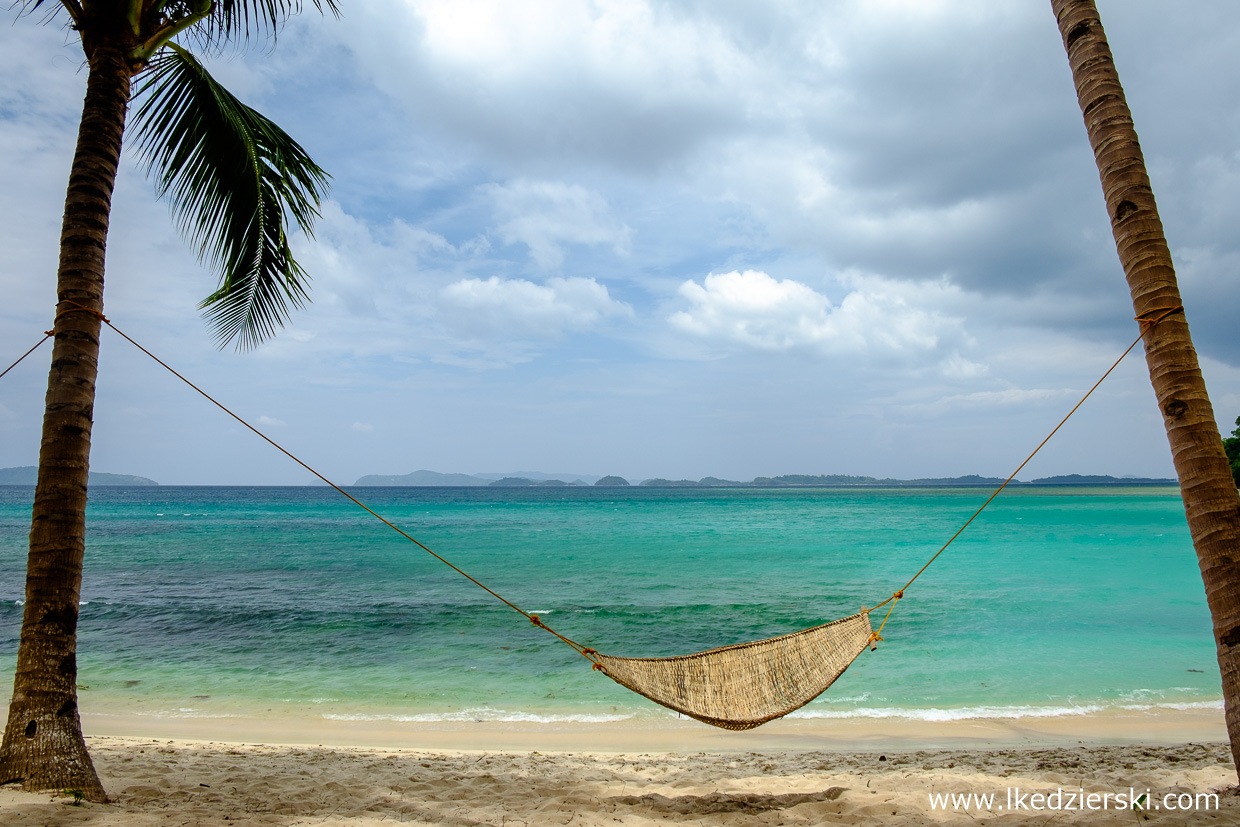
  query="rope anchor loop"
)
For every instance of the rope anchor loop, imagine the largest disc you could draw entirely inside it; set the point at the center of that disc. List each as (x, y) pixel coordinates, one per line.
(1149, 318)
(81, 308)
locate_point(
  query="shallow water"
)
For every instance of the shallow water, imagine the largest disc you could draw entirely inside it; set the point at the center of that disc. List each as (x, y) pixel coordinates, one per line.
(206, 601)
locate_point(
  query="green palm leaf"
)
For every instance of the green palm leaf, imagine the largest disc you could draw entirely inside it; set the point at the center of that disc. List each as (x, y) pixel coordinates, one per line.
(233, 179)
(215, 22)
(241, 18)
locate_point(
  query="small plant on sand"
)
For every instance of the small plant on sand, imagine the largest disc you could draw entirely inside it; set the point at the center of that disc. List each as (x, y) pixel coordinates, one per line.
(76, 795)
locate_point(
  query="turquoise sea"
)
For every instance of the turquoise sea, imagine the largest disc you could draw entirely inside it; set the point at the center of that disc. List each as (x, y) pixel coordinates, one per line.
(201, 601)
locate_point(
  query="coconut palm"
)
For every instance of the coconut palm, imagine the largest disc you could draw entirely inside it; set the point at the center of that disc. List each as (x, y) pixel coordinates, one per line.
(1209, 493)
(234, 180)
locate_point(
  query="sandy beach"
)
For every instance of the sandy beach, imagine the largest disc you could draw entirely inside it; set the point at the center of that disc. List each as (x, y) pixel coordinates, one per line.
(1082, 770)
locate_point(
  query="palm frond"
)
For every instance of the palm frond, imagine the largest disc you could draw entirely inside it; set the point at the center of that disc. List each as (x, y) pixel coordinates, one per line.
(245, 18)
(233, 179)
(28, 7)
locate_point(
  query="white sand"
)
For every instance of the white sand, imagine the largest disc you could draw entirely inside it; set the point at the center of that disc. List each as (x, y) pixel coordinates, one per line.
(796, 773)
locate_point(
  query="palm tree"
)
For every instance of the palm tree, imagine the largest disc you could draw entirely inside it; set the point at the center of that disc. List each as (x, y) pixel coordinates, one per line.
(1210, 498)
(234, 179)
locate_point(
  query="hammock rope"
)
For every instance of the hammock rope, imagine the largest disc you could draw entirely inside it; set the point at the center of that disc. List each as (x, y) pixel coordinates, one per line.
(33, 348)
(1146, 321)
(735, 687)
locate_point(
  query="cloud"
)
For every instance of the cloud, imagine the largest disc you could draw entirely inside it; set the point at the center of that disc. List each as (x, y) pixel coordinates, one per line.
(860, 133)
(361, 266)
(362, 427)
(272, 422)
(391, 289)
(546, 215)
(503, 308)
(957, 367)
(628, 83)
(755, 311)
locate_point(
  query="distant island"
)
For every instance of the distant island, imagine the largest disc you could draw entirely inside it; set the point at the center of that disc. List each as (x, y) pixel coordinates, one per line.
(536, 479)
(849, 481)
(525, 482)
(29, 475)
(422, 478)
(517, 479)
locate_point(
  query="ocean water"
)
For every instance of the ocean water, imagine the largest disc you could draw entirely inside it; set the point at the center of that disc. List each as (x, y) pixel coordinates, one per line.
(212, 601)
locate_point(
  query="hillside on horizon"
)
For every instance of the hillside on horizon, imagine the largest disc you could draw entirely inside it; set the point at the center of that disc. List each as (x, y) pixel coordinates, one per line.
(29, 475)
(426, 478)
(434, 478)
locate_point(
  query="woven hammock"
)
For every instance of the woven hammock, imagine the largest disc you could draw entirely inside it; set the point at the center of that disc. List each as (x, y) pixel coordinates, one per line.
(747, 684)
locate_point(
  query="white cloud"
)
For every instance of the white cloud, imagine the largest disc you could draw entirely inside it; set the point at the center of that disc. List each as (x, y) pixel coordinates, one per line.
(755, 311)
(363, 427)
(957, 367)
(272, 422)
(507, 307)
(545, 216)
(361, 266)
(400, 291)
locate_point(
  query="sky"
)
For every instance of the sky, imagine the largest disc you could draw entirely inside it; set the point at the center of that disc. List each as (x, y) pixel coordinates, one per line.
(656, 238)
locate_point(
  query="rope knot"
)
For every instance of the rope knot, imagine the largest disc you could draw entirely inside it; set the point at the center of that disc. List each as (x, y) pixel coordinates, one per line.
(589, 652)
(81, 308)
(537, 621)
(1149, 318)
(598, 667)
(898, 595)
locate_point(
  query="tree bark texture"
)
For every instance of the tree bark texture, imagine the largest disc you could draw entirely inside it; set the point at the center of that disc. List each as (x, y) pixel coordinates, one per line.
(43, 745)
(1210, 498)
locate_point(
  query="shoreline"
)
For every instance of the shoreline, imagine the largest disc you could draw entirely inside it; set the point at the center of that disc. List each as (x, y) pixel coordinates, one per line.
(679, 735)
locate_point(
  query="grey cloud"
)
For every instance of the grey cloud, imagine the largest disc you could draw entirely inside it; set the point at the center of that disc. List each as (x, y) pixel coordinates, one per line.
(543, 111)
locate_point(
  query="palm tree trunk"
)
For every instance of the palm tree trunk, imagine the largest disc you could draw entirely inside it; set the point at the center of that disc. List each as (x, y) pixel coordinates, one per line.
(43, 745)
(1210, 498)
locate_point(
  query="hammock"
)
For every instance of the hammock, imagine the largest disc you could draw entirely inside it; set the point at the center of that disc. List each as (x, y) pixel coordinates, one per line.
(748, 684)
